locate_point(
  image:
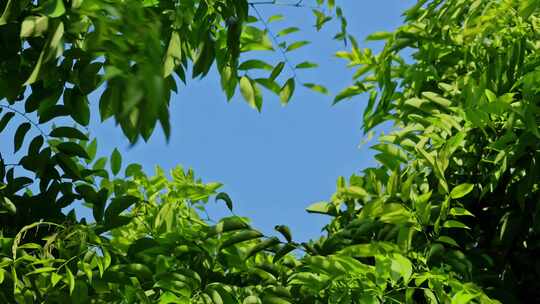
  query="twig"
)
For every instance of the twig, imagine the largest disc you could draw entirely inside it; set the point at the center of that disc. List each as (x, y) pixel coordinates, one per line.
(274, 2)
(274, 38)
(27, 118)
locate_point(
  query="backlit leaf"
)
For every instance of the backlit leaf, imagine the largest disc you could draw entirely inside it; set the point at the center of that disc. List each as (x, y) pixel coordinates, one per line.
(287, 91)
(317, 88)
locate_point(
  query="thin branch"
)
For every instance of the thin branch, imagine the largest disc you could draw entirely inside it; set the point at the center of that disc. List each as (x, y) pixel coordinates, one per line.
(274, 2)
(27, 118)
(274, 38)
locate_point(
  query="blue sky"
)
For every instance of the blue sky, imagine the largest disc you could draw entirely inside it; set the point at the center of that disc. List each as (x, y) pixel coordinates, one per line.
(275, 163)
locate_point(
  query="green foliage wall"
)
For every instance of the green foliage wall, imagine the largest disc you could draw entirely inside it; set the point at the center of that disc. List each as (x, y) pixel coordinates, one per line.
(450, 214)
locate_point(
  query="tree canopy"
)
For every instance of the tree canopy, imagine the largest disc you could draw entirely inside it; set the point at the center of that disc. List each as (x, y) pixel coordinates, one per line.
(450, 214)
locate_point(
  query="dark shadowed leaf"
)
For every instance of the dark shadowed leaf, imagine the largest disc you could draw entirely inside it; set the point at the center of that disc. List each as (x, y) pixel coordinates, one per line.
(225, 197)
(68, 132)
(20, 134)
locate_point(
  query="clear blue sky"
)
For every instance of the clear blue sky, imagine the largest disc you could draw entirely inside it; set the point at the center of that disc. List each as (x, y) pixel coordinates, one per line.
(275, 163)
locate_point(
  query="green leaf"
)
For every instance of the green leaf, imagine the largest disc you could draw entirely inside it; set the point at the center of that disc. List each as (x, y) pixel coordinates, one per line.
(100, 163)
(70, 280)
(321, 19)
(35, 145)
(30, 246)
(225, 197)
(255, 64)
(306, 65)
(241, 236)
(455, 224)
(55, 278)
(395, 213)
(8, 205)
(228, 224)
(118, 205)
(41, 270)
(461, 190)
(331, 4)
(34, 26)
(447, 240)
(143, 245)
(91, 149)
(216, 297)
(205, 58)
(252, 300)
(68, 132)
(132, 170)
(296, 45)
(56, 45)
(275, 18)
(77, 104)
(268, 243)
(98, 205)
(54, 8)
(116, 161)
(140, 270)
(322, 208)
(349, 92)
(285, 231)
(53, 112)
(287, 31)
(20, 134)
(5, 120)
(173, 55)
(247, 90)
(316, 88)
(403, 266)
(360, 250)
(69, 166)
(269, 84)
(7, 12)
(283, 251)
(72, 149)
(436, 98)
(80, 292)
(287, 91)
(460, 212)
(35, 72)
(379, 36)
(527, 8)
(275, 300)
(277, 70)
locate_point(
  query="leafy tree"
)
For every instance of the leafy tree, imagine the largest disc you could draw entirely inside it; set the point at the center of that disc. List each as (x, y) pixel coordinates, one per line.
(56, 53)
(450, 214)
(458, 181)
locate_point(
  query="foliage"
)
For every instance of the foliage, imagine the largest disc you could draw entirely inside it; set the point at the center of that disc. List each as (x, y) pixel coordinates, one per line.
(56, 53)
(449, 216)
(458, 180)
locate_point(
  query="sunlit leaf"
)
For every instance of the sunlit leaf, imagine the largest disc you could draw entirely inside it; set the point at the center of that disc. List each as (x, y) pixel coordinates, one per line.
(287, 91)
(317, 88)
(461, 190)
